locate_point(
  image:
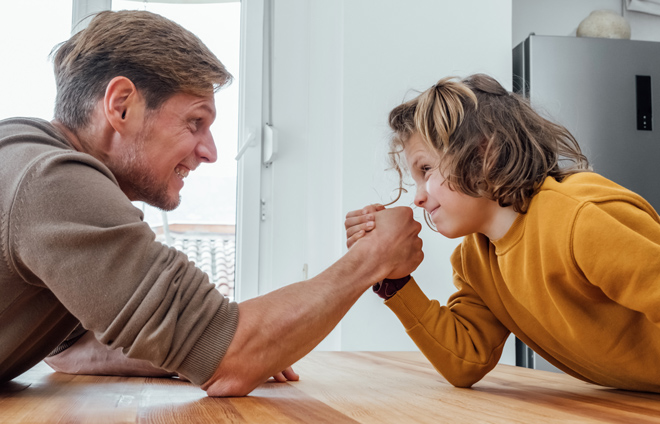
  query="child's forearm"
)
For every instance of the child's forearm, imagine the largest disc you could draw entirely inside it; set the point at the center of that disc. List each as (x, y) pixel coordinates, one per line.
(463, 343)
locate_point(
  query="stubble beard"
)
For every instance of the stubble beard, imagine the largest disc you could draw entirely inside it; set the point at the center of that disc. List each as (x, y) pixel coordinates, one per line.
(133, 172)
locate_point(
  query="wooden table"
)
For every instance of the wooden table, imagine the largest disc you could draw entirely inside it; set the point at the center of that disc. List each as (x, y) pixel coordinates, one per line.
(335, 387)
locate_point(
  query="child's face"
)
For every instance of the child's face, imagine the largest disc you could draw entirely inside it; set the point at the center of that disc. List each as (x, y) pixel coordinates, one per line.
(454, 214)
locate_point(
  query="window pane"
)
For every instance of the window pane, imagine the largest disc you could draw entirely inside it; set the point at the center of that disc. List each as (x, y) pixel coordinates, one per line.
(203, 226)
(29, 30)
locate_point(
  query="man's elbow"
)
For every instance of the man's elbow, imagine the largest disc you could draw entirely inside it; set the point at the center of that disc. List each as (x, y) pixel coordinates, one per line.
(234, 378)
(233, 386)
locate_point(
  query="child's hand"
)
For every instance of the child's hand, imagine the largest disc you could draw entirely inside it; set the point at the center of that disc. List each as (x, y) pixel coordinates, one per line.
(359, 222)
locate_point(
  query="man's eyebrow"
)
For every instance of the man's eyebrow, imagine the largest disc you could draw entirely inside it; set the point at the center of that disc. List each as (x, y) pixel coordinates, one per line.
(206, 108)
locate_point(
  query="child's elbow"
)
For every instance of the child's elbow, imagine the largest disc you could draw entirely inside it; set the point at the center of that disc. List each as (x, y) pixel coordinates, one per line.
(466, 375)
(463, 381)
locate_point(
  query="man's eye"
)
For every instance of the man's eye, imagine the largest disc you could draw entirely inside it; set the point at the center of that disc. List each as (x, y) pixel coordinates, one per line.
(195, 123)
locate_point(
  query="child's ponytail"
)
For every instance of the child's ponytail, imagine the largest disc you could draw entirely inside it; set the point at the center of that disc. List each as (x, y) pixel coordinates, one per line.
(440, 110)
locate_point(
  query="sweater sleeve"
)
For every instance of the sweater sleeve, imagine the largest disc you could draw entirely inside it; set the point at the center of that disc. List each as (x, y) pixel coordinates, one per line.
(616, 245)
(462, 340)
(73, 231)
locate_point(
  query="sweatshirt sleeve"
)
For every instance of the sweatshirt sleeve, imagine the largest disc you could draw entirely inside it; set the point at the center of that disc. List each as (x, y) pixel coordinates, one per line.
(73, 231)
(462, 340)
(616, 246)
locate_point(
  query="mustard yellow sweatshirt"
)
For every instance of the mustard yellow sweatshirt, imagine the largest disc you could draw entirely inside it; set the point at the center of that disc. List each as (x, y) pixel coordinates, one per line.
(577, 279)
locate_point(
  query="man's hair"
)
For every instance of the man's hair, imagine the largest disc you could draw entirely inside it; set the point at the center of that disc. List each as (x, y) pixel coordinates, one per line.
(490, 143)
(159, 56)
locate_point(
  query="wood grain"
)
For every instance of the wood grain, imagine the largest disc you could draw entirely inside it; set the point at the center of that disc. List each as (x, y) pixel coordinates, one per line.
(335, 387)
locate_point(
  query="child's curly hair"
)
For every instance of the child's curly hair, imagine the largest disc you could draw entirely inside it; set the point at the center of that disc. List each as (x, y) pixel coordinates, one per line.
(490, 142)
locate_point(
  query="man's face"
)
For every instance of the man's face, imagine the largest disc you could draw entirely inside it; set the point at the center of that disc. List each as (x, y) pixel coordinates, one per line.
(174, 140)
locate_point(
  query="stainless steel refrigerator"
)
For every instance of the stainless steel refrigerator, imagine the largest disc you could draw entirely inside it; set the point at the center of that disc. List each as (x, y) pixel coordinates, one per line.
(605, 91)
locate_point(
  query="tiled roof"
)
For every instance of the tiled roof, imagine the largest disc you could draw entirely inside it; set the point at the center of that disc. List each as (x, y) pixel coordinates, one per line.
(213, 253)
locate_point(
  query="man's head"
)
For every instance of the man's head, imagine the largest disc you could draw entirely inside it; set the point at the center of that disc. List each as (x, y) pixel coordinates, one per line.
(151, 152)
(160, 57)
(136, 92)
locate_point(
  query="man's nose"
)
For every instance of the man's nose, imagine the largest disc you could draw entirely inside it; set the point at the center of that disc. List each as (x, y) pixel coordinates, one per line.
(206, 149)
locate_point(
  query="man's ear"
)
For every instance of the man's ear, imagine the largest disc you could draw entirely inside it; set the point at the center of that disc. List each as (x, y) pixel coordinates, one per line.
(122, 104)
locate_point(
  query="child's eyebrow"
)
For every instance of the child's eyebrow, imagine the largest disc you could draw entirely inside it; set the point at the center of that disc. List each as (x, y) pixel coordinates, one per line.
(416, 162)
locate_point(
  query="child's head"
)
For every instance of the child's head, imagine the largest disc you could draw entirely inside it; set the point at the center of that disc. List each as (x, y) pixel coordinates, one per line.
(489, 143)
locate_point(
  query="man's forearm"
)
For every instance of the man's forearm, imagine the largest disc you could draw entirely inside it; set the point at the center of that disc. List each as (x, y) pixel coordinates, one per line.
(277, 329)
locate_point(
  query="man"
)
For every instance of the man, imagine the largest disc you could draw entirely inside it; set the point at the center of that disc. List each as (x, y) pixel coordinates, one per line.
(81, 275)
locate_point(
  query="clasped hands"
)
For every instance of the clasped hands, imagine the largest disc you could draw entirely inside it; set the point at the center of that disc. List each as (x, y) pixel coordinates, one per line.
(396, 241)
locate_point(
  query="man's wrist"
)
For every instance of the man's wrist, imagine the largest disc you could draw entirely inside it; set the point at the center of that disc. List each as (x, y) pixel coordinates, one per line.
(364, 256)
(389, 287)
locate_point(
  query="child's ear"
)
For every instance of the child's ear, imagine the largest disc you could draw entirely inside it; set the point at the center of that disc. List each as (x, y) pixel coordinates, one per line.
(122, 104)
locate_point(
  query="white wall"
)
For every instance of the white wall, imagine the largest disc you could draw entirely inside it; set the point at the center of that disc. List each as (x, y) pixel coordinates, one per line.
(562, 17)
(339, 68)
(404, 46)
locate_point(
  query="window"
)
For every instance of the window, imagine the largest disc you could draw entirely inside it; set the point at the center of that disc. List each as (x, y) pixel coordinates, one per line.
(203, 226)
(29, 30)
(215, 200)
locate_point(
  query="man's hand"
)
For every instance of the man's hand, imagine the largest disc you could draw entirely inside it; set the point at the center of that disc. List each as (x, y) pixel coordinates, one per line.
(403, 250)
(395, 238)
(287, 375)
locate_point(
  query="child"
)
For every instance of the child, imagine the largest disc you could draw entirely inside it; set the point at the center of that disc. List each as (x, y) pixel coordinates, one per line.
(562, 257)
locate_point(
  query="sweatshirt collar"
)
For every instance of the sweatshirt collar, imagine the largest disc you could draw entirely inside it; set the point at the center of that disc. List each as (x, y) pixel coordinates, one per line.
(512, 237)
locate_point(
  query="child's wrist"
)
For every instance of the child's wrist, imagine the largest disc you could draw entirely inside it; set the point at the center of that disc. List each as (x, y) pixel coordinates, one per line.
(389, 287)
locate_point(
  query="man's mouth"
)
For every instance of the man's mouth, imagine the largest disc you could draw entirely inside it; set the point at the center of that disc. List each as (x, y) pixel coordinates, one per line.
(181, 172)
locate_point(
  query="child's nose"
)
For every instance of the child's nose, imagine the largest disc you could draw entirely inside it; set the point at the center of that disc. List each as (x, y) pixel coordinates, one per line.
(420, 197)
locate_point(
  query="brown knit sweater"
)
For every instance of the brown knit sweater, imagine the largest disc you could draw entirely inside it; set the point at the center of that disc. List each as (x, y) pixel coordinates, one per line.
(73, 249)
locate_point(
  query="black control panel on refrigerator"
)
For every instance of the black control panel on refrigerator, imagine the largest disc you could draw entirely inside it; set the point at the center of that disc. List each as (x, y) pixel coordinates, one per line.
(644, 109)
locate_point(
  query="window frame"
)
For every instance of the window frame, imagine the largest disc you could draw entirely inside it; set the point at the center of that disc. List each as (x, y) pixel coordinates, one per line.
(251, 122)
